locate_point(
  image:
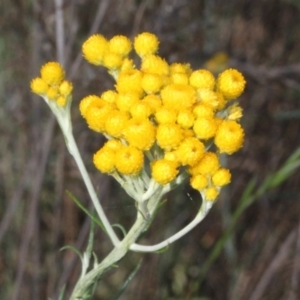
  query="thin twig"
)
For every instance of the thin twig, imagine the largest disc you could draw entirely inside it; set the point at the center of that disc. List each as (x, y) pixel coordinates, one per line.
(102, 8)
(274, 266)
(296, 268)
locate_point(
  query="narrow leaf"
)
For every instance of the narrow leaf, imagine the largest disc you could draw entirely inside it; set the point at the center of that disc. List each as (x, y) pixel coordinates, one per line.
(81, 206)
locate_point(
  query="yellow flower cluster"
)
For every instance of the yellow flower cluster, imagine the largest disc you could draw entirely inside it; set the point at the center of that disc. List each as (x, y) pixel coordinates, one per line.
(162, 118)
(52, 85)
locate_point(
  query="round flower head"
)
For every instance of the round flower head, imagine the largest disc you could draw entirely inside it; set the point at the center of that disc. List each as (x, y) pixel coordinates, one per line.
(146, 43)
(165, 116)
(169, 136)
(208, 164)
(65, 88)
(130, 82)
(151, 83)
(129, 160)
(52, 93)
(202, 79)
(205, 128)
(112, 61)
(113, 144)
(208, 97)
(127, 64)
(39, 86)
(87, 101)
(177, 68)
(179, 78)
(198, 181)
(172, 156)
(140, 110)
(120, 44)
(221, 177)
(231, 83)
(202, 110)
(190, 151)
(109, 96)
(94, 48)
(97, 114)
(235, 112)
(104, 160)
(52, 73)
(153, 101)
(61, 101)
(185, 119)
(125, 101)
(140, 133)
(116, 122)
(164, 171)
(229, 137)
(211, 193)
(155, 64)
(178, 96)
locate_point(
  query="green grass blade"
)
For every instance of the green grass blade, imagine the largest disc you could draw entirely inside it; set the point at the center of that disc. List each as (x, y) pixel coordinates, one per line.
(81, 206)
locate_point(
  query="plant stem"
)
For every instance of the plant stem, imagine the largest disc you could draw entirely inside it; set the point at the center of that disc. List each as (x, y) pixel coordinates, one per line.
(73, 149)
(140, 225)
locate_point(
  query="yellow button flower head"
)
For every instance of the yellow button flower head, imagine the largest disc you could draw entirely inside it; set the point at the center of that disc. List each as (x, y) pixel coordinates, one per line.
(146, 43)
(39, 86)
(127, 64)
(94, 48)
(125, 101)
(130, 82)
(235, 112)
(211, 193)
(65, 88)
(140, 133)
(178, 68)
(205, 127)
(140, 110)
(116, 122)
(185, 119)
(155, 64)
(52, 93)
(109, 96)
(169, 136)
(229, 137)
(190, 151)
(231, 83)
(172, 156)
(208, 97)
(165, 116)
(201, 110)
(179, 78)
(120, 44)
(164, 171)
(113, 144)
(87, 101)
(221, 177)
(61, 101)
(153, 101)
(129, 160)
(178, 96)
(52, 73)
(97, 114)
(151, 83)
(104, 160)
(208, 164)
(202, 79)
(198, 181)
(112, 61)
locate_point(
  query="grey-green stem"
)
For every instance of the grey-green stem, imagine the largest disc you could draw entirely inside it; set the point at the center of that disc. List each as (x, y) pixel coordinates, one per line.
(119, 251)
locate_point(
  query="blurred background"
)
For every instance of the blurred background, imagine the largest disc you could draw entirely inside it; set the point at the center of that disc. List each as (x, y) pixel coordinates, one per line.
(248, 246)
